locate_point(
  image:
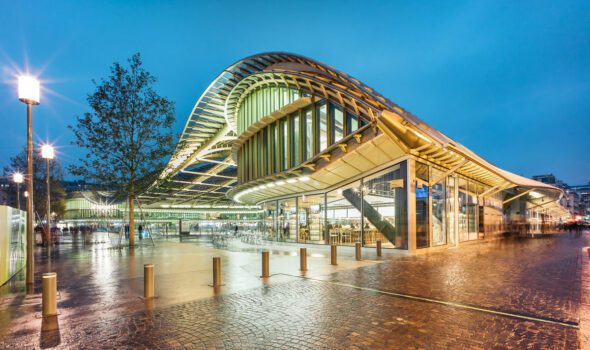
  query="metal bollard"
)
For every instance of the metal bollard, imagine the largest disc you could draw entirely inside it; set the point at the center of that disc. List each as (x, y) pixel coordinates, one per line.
(357, 251)
(216, 271)
(333, 255)
(379, 247)
(49, 284)
(148, 281)
(265, 272)
(303, 259)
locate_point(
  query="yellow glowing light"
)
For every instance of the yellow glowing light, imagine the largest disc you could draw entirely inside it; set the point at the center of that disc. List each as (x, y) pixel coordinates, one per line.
(421, 136)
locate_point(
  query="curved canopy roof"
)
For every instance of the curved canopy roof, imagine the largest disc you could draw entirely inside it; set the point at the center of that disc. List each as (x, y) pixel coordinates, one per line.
(202, 171)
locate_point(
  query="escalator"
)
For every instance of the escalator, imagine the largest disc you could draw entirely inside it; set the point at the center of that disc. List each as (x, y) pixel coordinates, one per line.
(371, 214)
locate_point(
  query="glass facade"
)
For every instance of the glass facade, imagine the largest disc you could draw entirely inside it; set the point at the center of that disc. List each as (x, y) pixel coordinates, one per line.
(322, 121)
(422, 209)
(308, 134)
(467, 201)
(337, 122)
(439, 209)
(344, 220)
(311, 215)
(287, 220)
(384, 207)
(263, 101)
(362, 211)
(294, 139)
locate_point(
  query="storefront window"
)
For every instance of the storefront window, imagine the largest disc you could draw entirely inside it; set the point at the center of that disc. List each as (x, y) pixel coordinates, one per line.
(422, 194)
(287, 220)
(451, 209)
(439, 208)
(472, 211)
(269, 229)
(310, 211)
(384, 208)
(344, 214)
(467, 211)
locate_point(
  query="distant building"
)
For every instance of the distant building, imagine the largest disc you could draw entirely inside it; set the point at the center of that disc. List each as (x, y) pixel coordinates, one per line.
(576, 198)
(583, 192)
(76, 186)
(9, 189)
(3, 197)
(550, 179)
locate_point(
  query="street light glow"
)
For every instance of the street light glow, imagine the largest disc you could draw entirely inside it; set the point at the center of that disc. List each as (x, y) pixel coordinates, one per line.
(28, 90)
(17, 178)
(47, 151)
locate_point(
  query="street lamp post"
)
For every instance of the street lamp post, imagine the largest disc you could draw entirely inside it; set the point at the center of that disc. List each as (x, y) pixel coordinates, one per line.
(18, 179)
(28, 93)
(48, 154)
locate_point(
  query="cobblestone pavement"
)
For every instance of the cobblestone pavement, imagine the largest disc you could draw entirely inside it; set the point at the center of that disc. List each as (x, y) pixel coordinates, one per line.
(530, 276)
(543, 278)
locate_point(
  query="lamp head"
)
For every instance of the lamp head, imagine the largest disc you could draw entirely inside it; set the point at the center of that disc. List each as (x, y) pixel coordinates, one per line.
(47, 151)
(28, 90)
(17, 178)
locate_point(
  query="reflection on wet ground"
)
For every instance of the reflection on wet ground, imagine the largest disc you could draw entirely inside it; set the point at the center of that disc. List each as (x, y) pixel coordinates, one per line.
(366, 304)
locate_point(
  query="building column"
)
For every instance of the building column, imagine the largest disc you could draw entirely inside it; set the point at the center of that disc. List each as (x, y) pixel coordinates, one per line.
(411, 202)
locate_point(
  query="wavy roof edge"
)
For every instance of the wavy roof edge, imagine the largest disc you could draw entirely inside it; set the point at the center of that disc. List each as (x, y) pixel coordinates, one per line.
(253, 64)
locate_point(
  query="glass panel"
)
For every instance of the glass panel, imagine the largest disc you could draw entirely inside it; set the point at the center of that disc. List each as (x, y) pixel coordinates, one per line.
(269, 229)
(344, 215)
(439, 208)
(338, 122)
(287, 220)
(295, 143)
(451, 208)
(384, 208)
(323, 125)
(472, 211)
(308, 136)
(311, 218)
(261, 102)
(285, 144)
(422, 194)
(463, 212)
(353, 122)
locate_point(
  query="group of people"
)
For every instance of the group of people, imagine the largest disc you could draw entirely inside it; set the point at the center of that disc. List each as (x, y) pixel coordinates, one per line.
(140, 232)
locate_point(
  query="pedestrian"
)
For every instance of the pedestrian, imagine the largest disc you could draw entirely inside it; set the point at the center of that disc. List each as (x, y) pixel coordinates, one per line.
(140, 229)
(236, 231)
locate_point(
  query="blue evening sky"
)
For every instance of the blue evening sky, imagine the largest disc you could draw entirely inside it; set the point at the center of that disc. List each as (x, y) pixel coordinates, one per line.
(508, 79)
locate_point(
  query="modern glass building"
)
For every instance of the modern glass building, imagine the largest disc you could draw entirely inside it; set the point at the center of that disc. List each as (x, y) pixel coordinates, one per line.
(328, 160)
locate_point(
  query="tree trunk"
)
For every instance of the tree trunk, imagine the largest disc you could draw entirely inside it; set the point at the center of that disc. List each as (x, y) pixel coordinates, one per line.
(131, 221)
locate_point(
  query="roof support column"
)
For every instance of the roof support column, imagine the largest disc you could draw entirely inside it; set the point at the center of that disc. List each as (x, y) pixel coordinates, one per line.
(411, 203)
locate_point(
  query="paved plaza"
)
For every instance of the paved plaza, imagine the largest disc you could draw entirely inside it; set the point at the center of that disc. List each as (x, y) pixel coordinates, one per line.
(526, 293)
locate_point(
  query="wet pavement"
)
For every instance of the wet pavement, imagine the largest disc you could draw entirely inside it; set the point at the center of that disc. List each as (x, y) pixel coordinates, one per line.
(529, 293)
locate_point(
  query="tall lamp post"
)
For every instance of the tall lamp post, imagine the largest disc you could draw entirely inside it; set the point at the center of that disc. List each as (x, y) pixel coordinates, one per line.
(48, 154)
(28, 93)
(18, 179)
